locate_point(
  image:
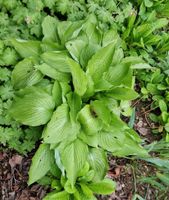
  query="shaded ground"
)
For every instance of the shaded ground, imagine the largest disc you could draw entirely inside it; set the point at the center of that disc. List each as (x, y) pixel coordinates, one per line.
(127, 173)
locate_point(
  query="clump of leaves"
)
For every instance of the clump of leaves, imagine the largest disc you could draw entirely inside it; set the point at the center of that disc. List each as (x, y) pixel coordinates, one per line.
(73, 82)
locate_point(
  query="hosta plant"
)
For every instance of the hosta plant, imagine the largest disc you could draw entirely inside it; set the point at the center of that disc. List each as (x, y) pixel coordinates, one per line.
(72, 83)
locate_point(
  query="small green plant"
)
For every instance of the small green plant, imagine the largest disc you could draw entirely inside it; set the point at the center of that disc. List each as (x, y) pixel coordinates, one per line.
(72, 83)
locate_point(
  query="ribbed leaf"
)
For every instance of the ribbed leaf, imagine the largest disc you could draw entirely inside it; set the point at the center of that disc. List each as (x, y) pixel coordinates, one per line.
(100, 62)
(89, 122)
(123, 93)
(74, 157)
(52, 72)
(106, 186)
(40, 163)
(26, 48)
(79, 77)
(34, 108)
(25, 75)
(57, 60)
(49, 29)
(75, 47)
(98, 162)
(60, 127)
(87, 52)
(57, 196)
(116, 74)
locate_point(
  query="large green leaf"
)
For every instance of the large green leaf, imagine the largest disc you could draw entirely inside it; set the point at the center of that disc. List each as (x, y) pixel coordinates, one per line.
(98, 162)
(57, 60)
(60, 127)
(75, 103)
(89, 122)
(87, 52)
(116, 74)
(74, 157)
(51, 72)
(33, 108)
(105, 186)
(26, 48)
(40, 163)
(75, 47)
(57, 196)
(79, 77)
(100, 62)
(24, 74)
(49, 29)
(122, 93)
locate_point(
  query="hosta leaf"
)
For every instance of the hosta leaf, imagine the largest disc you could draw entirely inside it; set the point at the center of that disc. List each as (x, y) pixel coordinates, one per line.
(60, 127)
(123, 93)
(49, 29)
(110, 142)
(101, 111)
(106, 186)
(49, 71)
(25, 75)
(100, 62)
(40, 163)
(87, 52)
(26, 48)
(92, 32)
(91, 140)
(79, 77)
(75, 103)
(89, 122)
(74, 157)
(75, 47)
(98, 162)
(110, 36)
(57, 93)
(116, 74)
(57, 60)
(34, 108)
(57, 195)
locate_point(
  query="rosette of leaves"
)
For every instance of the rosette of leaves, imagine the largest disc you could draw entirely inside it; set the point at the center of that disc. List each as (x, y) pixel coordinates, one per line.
(72, 83)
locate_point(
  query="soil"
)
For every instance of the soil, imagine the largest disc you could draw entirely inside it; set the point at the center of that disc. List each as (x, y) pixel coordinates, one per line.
(125, 172)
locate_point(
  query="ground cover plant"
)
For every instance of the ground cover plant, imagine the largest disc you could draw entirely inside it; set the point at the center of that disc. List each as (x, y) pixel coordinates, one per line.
(69, 70)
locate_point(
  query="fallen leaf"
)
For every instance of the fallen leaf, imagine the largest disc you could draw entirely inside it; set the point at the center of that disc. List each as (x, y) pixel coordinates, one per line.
(15, 160)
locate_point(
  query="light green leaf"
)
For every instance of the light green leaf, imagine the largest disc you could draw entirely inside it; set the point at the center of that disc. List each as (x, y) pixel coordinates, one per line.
(106, 186)
(24, 74)
(26, 48)
(87, 52)
(98, 162)
(74, 102)
(49, 29)
(60, 127)
(92, 32)
(116, 73)
(75, 47)
(34, 108)
(49, 71)
(74, 157)
(101, 111)
(123, 93)
(57, 93)
(111, 36)
(57, 196)
(79, 77)
(100, 62)
(40, 163)
(57, 60)
(89, 122)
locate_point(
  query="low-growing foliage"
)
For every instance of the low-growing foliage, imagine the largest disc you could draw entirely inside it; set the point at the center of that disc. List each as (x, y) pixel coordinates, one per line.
(75, 94)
